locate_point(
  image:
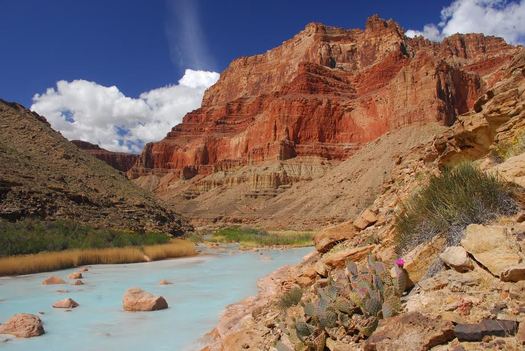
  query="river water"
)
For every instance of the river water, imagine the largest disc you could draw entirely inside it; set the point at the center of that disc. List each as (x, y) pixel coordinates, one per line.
(202, 287)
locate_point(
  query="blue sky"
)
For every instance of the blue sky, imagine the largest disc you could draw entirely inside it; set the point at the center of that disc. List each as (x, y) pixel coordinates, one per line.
(120, 73)
(128, 43)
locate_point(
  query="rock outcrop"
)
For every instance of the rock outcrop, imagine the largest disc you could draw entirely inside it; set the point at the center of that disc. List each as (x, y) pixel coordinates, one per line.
(44, 176)
(23, 325)
(119, 160)
(139, 300)
(321, 95)
(66, 303)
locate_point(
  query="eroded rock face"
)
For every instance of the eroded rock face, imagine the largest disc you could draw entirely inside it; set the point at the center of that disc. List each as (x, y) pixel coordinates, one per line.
(23, 325)
(118, 160)
(323, 93)
(410, 331)
(136, 299)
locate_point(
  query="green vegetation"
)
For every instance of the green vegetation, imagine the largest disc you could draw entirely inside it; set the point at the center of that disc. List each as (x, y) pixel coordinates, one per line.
(33, 236)
(448, 203)
(250, 237)
(291, 298)
(504, 151)
(352, 305)
(51, 261)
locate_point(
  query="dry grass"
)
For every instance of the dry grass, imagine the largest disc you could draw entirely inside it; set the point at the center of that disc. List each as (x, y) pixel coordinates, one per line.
(51, 261)
(176, 248)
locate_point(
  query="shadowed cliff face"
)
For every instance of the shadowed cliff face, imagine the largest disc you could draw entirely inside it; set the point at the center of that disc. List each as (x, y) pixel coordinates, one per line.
(44, 176)
(119, 160)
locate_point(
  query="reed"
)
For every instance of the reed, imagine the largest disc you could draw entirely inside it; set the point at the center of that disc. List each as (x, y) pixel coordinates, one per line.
(52, 261)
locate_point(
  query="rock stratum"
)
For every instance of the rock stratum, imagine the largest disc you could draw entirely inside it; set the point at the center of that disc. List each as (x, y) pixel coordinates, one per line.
(42, 175)
(292, 114)
(468, 295)
(121, 161)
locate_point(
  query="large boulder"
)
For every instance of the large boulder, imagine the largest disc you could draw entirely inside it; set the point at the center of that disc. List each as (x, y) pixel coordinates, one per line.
(66, 303)
(23, 325)
(491, 246)
(410, 331)
(419, 260)
(53, 280)
(339, 258)
(136, 299)
(513, 170)
(365, 219)
(331, 236)
(456, 257)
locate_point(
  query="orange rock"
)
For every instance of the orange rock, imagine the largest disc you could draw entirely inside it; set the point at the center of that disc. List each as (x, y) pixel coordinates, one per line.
(136, 299)
(23, 325)
(53, 280)
(66, 303)
(75, 275)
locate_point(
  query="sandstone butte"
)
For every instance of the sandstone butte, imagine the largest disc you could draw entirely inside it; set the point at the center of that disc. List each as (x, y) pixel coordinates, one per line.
(321, 95)
(119, 160)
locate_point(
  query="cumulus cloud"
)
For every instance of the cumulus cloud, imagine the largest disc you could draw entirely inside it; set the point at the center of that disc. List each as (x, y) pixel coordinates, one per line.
(501, 18)
(103, 115)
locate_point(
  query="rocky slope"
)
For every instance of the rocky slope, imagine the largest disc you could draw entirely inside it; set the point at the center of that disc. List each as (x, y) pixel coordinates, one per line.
(294, 112)
(119, 160)
(42, 175)
(466, 297)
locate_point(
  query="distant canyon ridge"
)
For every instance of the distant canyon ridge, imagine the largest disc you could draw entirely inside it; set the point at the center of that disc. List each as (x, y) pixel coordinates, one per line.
(283, 139)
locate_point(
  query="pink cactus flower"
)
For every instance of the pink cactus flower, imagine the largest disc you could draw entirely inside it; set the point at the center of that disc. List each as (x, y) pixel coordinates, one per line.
(400, 262)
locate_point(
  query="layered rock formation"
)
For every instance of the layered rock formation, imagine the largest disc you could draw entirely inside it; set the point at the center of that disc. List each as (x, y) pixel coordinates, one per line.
(118, 160)
(466, 297)
(321, 95)
(42, 175)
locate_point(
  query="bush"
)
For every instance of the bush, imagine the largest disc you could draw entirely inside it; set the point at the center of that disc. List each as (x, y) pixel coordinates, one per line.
(448, 203)
(506, 150)
(291, 298)
(257, 237)
(32, 236)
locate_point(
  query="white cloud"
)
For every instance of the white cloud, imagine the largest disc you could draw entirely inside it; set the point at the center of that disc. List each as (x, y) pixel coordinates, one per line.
(501, 18)
(105, 116)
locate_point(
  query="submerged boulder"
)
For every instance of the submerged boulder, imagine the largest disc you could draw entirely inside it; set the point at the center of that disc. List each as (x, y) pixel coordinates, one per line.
(75, 275)
(23, 325)
(136, 299)
(53, 280)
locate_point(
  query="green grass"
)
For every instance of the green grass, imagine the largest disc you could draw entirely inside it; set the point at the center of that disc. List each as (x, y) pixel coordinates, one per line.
(251, 237)
(34, 236)
(448, 203)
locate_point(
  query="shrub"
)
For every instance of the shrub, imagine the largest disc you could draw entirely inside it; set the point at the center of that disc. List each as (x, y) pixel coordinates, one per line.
(506, 150)
(33, 236)
(291, 298)
(448, 203)
(257, 237)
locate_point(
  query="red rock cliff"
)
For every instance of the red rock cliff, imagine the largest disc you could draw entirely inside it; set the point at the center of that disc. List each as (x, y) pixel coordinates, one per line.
(118, 160)
(325, 92)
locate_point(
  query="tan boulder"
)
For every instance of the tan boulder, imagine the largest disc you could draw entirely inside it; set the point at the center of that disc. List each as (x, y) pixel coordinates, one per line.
(75, 275)
(53, 280)
(66, 303)
(456, 257)
(365, 219)
(513, 170)
(329, 237)
(339, 258)
(78, 282)
(165, 282)
(23, 325)
(410, 331)
(419, 260)
(136, 299)
(321, 269)
(513, 273)
(492, 247)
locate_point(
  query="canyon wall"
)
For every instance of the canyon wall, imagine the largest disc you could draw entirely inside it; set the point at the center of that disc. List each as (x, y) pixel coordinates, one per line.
(121, 161)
